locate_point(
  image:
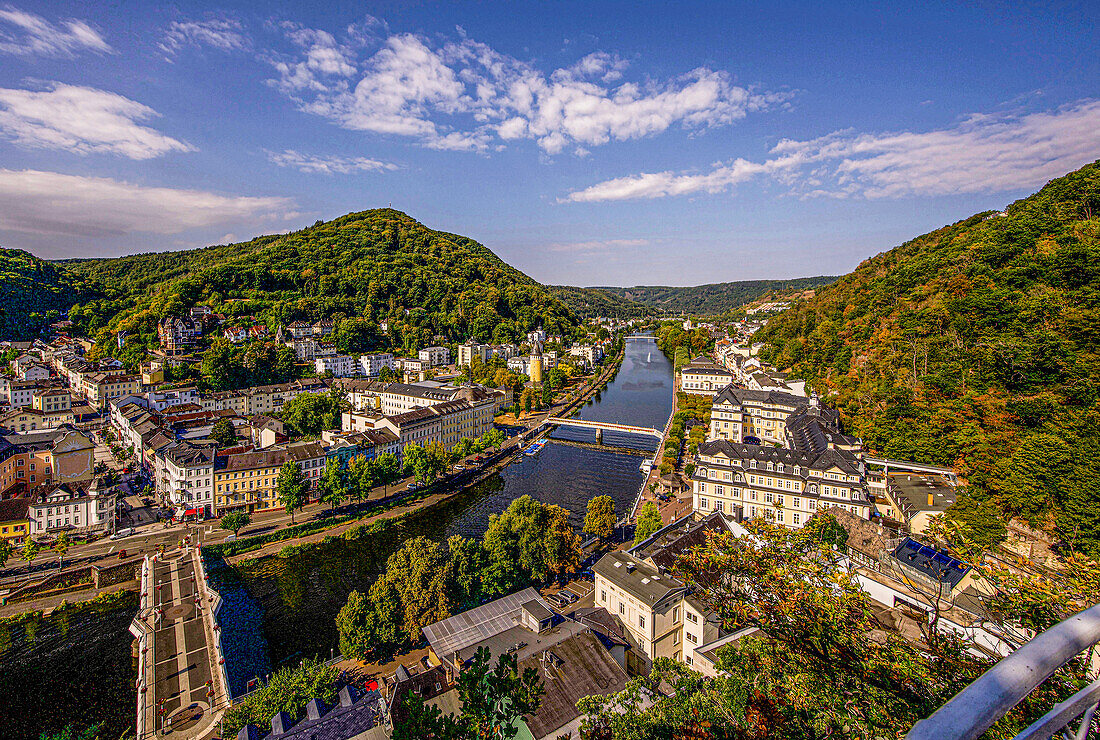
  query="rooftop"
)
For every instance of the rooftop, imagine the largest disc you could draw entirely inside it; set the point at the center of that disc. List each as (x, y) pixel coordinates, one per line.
(915, 492)
(473, 626)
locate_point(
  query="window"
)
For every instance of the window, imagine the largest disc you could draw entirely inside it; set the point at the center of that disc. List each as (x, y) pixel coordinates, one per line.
(690, 638)
(603, 595)
(796, 519)
(641, 621)
(622, 608)
(691, 617)
(719, 506)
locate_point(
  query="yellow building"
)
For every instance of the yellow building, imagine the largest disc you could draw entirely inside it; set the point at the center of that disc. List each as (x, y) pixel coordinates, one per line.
(246, 481)
(14, 523)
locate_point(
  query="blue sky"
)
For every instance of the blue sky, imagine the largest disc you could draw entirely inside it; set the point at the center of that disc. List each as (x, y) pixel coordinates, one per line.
(586, 143)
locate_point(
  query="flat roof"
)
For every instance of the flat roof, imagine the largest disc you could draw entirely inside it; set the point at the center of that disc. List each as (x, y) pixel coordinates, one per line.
(912, 490)
(473, 626)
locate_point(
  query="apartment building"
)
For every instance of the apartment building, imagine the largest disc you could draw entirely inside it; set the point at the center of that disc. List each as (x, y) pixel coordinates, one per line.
(782, 485)
(445, 422)
(51, 399)
(702, 377)
(371, 365)
(336, 365)
(467, 352)
(435, 356)
(28, 419)
(14, 519)
(102, 387)
(246, 481)
(187, 477)
(73, 506)
(17, 393)
(589, 353)
(737, 414)
(310, 456)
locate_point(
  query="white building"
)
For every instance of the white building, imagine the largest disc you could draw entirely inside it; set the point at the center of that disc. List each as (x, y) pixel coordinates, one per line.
(372, 365)
(70, 506)
(435, 356)
(590, 353)
(186, 476)
(340, 366)
(159, 400)
(467, 352)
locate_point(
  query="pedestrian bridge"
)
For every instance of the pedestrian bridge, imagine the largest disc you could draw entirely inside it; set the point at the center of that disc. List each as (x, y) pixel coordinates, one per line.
(648, 337)
(602, 426)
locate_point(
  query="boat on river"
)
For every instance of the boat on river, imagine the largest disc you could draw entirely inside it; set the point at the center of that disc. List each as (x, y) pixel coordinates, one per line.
(646, 466)
(534, 448)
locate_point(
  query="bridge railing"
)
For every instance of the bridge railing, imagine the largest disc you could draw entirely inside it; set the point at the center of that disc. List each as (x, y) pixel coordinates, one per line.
(977, 707)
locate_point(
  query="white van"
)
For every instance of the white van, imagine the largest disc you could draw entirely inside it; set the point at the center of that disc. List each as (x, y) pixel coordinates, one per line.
(123, 533)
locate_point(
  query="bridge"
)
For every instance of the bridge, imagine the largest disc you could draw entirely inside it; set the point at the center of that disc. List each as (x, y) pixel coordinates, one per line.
(648, 337)
(602, 426)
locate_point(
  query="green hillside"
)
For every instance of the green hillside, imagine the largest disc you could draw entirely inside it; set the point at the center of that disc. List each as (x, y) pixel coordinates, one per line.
(32, 292)
(381, 265)
(600, 302)
(714, 298)
(975, 345)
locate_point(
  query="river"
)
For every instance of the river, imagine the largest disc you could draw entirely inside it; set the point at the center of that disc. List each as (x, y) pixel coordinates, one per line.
(277, 610)
(280, 610)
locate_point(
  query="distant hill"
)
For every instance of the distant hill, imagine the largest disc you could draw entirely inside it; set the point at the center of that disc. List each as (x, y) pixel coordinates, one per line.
(975, 345)
(379, 264)
(714, 298)
(600, 302)
(30, 289)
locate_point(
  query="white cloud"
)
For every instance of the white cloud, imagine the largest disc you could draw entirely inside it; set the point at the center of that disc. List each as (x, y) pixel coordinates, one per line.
(224, 34)
(599, 245)
(83, 120)
(25, 33)
(56, 204)
(465, 95)
(327, 165)
(984, 153)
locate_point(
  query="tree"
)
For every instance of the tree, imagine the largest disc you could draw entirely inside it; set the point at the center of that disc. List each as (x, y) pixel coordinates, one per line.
(223, 433)
(387, 374)
(388, 470)
(420, 721)
(599, 521)
(360, 478)
(235, 521)
(352, 627)
(31, 550)
(309, 413)
(492, 439)
(332, 487)
(648, 522)
(291, 487)
(494, 698)
(289, 690)
(61, 546)
(72, 733)
(6, 550)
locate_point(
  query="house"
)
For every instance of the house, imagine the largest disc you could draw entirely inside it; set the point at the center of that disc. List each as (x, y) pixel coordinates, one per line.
(28, 419)
(660, 615)
(236, 334)
(51, 400)
(310, 457)
(100, 388)
(79, 506)
(14, 519)
(914, 498)
(32, 371)
(179, 335)
(703, 377)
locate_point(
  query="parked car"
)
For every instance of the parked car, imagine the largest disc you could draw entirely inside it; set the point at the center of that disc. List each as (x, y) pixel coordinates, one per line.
(568, 596)
(124, 532)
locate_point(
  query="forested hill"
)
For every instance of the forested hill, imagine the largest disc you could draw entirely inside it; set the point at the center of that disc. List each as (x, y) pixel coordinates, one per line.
(379, 264)
(600, 302)
(32, 292)
(715, 298)
(975, 345)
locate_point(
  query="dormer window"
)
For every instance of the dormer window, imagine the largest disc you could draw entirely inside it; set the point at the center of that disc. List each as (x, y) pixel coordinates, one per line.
(779, 467)
(770, 466)
(752, 464)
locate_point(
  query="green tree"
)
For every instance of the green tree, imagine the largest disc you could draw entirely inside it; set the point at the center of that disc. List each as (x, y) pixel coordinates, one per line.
(61, 546)
(387, 375)
(423, 722)
(388, 469)
(6, 550)
(332, 487)
(309, 413)
(352, 627)
(599, 521)
(31, 550)
(648, 522)
(289, 690)
(70, 732)
(361, 478)
(223, 433)
(235, 521)
(291, 487)
(493, 699)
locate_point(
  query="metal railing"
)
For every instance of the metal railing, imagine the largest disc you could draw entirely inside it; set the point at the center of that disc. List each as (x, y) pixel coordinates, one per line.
(977, 707)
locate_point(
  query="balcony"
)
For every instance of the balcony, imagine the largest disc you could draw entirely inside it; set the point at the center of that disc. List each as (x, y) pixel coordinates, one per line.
(974, 709)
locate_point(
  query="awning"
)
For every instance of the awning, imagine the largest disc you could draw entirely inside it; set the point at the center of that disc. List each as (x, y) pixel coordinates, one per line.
(189, 512)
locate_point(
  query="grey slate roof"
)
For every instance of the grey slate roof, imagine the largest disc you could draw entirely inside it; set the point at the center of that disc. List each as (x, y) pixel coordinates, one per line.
(352, 716)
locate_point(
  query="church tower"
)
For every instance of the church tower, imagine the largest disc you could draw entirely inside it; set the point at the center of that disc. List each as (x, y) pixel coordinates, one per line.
(535, 363)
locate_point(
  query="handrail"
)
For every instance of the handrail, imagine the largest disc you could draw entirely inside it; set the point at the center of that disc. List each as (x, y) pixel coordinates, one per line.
(974, 709)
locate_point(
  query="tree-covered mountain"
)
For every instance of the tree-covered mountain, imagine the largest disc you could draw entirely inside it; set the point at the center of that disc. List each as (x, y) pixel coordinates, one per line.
(380, 265)
(977, 346)
(600, 302)
(714, 298)
(32, 292)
